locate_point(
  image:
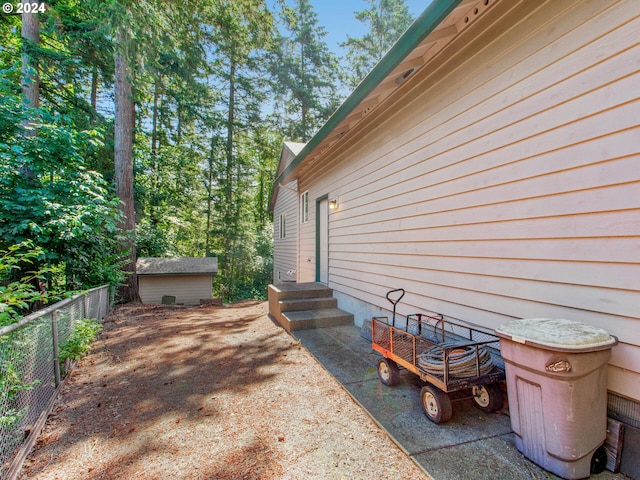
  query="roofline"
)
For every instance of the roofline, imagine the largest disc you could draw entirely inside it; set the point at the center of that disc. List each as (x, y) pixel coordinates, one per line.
(274, 190)
(418, 31)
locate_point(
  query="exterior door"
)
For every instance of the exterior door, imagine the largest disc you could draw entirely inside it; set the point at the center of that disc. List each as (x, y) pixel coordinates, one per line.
(322, 239)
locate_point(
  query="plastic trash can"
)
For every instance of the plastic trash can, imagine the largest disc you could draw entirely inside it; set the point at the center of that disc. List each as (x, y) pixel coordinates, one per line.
(557, 385)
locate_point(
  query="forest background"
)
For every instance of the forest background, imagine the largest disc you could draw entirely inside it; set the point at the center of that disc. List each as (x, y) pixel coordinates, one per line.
(153, 128)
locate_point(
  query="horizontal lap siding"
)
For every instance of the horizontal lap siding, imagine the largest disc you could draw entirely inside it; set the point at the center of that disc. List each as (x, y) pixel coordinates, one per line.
(508, 186)
(188, 289)
(284, 249)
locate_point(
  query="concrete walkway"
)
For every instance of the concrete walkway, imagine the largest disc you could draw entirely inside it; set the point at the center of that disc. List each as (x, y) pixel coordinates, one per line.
(473, 445)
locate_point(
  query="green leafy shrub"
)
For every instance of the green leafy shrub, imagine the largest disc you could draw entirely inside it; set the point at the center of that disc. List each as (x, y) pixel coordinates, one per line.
(20, 274)
(83, 334)
(10, 385)
(49, 195)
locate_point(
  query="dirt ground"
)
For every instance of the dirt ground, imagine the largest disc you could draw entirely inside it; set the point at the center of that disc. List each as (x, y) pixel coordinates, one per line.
(172, 392)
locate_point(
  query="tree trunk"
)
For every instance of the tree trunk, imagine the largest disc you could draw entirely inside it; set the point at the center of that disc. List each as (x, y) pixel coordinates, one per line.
(179, 127)
(154, 121)
(123, 161)
(209, 188)
(230, 131)
(229, 221)
(303, 101)
(94, 93)
(154, 151)
(30, 79)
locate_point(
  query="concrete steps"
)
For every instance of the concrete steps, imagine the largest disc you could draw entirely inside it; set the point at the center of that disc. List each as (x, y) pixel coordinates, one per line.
(304, 306)
(299, 304)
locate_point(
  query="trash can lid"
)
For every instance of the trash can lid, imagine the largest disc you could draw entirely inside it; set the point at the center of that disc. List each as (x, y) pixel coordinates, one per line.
(556, 333)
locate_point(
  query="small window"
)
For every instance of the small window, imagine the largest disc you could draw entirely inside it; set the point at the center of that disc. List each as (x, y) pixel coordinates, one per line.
(304, 207)
(283, 226)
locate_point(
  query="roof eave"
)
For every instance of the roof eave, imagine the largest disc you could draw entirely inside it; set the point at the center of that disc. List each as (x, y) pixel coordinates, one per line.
(416, 33)
(294, 149)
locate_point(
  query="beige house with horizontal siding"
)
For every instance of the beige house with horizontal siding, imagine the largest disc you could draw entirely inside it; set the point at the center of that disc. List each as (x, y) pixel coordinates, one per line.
(490, 166)
(188, 279)
(285, 234)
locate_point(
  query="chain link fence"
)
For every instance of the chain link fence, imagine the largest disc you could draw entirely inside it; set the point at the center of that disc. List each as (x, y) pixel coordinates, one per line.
(30, 372)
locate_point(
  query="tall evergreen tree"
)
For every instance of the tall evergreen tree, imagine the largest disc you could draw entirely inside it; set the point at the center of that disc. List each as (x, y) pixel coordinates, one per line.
(143, 31)
(76, 58)
(306, 73)
(168, 158)
(30, 77)
(244, 32)
(123, 154)
(387, 21)
(178, 73)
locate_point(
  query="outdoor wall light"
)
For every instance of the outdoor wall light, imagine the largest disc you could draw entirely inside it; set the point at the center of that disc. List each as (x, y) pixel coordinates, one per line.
(333, 204)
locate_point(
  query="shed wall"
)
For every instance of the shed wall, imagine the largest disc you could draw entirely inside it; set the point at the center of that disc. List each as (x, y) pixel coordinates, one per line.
(285, 260)
(188, 289)
(505, 183)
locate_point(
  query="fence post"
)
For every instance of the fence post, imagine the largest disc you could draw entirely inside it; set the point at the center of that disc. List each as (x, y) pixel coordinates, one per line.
(100, 302)
(56, 359)
(85, 306)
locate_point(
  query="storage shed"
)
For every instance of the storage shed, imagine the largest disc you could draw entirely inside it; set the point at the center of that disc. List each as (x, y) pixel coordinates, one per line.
(188, 279)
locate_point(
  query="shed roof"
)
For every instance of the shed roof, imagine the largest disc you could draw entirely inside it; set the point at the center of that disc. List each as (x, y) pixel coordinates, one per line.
(176, 266)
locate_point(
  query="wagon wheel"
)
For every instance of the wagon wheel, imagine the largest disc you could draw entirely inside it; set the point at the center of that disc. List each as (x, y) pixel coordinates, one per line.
(388, 372)
(436, 404)
(488, 398)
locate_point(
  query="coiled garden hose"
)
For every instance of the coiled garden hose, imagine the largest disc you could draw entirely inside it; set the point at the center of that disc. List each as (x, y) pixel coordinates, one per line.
(461, 360)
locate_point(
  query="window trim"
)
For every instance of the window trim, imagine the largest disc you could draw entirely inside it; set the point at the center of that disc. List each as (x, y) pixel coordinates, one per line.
(304, 207)
(282, 234)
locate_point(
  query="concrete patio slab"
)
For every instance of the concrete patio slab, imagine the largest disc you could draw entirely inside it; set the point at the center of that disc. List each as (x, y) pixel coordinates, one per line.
(473, 445)
(496, 458)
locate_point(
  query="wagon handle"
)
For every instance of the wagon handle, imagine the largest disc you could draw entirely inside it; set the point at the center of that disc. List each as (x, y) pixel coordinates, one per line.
(394, 302)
